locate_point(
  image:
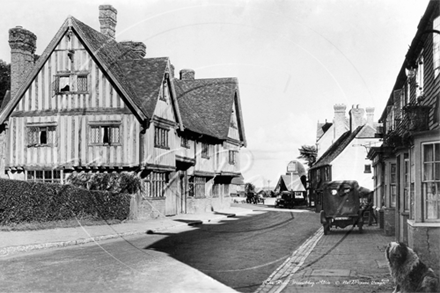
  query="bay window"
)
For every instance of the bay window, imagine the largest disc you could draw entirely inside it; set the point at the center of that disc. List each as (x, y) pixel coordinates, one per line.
(431, 180)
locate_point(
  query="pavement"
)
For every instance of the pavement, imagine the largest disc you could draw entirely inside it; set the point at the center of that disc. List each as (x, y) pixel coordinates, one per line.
(343, 261)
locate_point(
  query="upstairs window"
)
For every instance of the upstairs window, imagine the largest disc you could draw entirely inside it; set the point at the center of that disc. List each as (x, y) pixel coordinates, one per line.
(232, 157)
(184, 142)
(105, 134)
(436, 46)
(40, 136)
(205, 150)
(161, 137)
(70, 83)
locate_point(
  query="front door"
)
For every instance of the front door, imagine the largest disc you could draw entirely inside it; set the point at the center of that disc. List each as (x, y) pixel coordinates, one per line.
(172, 195)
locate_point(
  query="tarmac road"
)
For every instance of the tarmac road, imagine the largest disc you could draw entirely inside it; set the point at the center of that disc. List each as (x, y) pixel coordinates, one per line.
(239, 252)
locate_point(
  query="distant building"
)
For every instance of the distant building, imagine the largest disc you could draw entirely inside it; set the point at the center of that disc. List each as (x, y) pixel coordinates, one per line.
(294, 180)
(342, 152)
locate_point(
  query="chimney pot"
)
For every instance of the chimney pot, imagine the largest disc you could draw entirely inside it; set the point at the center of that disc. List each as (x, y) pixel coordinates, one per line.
(339, 120)
(107, 19)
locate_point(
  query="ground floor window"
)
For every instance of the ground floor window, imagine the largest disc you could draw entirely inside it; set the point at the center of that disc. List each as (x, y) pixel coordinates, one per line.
(47, 176)
(431, 180)
(197, 186)
(155, 184)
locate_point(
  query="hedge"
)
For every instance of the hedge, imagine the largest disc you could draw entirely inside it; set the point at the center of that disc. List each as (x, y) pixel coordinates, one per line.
(24, 201)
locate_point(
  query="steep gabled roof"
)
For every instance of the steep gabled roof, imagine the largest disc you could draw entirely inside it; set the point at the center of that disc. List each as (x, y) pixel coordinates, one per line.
(206, 105)
(291, 182)
(137, 80)
(337, 148)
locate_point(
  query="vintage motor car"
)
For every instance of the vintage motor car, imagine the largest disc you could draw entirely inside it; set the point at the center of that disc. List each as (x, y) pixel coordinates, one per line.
(289, 199)
(340, 205)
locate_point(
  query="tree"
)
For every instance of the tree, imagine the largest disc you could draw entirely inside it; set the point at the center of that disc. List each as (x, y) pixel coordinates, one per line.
(5, 79)
(308, 153)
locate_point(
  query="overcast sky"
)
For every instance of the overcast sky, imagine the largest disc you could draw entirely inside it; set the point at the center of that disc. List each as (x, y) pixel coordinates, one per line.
(294, 59)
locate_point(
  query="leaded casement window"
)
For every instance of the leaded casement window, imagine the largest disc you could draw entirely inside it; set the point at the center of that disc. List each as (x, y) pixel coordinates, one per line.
(46, 176)
(161, 137)
(70, 83)
(105, 133)
(155, 184)
(205, 150)
(232, 157)
(436, 46)
(41, 135)
(393, 184)
(184, 142)
(197, 186)
(431, 180)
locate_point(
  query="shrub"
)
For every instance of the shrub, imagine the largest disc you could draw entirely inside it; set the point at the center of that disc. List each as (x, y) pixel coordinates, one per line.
(23, 201)
(125, 182)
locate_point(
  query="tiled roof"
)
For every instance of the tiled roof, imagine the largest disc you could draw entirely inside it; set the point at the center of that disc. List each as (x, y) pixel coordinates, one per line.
(140, 78)
(206, 104)
(336, 148)
(144, 77)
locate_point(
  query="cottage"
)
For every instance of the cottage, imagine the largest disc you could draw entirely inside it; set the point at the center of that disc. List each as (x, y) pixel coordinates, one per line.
(345, 158)
(92, 104)
(407, 165)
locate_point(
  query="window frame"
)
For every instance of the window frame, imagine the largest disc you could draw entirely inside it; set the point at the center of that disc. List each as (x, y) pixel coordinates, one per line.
(184, 142)
(434, 181)
(232, 157)
(46, 176)
(161, 137)
(205, 150)
(393, 185)
(156, 184)
(197, 186)
(73, 82)
(110, 134)
(36, 140)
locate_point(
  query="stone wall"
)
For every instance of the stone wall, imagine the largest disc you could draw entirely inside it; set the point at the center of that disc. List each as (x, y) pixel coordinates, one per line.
(150, 208)
(426, 242)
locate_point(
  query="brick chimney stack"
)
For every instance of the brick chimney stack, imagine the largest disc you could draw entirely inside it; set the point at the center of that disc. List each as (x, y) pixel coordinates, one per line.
(138, 48)
(370, 116)
(339, 120)
(186, 74)
(356, 117)
(107, 19)
(23, 45)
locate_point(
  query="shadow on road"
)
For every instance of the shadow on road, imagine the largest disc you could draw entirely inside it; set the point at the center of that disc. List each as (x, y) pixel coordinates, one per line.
(243, 252)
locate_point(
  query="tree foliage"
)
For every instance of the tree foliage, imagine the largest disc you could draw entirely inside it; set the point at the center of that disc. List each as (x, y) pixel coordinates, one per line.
(308, 153)
(5, 79)
(249, 188)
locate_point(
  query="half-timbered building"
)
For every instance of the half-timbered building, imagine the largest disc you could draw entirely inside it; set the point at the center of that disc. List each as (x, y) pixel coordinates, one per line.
(92, 104)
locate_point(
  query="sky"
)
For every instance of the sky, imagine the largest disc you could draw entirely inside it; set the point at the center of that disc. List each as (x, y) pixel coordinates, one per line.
(294, 59)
